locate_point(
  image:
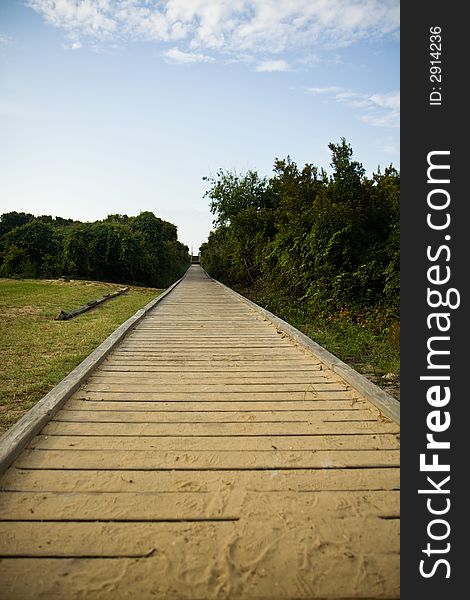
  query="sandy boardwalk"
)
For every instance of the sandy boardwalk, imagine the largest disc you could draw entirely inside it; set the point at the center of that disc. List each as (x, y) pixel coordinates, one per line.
(208, 457)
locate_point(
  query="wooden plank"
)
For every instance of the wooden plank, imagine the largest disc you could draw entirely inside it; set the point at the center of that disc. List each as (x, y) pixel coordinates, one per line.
(180, 505)
(194, 380)
(220, 443)
(139, 539)
(203, 368)
(218, 429)
(222, 345)
(213, 388)
(161, 506)
(284, 357)
(168, 416)
(283, 564)
(281, 361)
(216, 405)
(212, 378)
(228, 396)
(298, 480)
(184, 334)
(198, 460)
(244, 336)
(221, 341)
(266, 352)
(209, 364)
(205, 318)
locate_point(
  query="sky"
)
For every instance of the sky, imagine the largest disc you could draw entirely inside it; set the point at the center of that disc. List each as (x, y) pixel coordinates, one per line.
(122, 106)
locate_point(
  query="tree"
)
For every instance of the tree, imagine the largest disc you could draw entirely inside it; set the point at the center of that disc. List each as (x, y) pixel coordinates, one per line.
(243, 209)
(143, 249)
(327, 244)
(76, 251)
(39, 243)
(347, 175)
(9, 221)
(232, 194)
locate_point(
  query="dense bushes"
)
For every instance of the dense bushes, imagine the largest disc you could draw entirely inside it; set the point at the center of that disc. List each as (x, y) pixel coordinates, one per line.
(141, 250)
(327, 244)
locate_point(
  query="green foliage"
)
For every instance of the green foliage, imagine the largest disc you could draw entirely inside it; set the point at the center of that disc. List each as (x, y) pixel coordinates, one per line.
(330, 245)
(13, 219)
(243, 209)
(32, 249)
(142, 250)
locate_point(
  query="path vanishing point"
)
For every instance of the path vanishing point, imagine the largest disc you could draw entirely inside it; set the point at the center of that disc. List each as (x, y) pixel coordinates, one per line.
(214, 453)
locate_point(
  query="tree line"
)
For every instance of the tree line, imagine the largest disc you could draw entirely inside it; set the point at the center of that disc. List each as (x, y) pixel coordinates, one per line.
(142, 250)
(326, 243)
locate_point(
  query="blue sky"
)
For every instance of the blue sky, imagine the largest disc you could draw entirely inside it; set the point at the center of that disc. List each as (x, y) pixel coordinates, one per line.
(120, 106)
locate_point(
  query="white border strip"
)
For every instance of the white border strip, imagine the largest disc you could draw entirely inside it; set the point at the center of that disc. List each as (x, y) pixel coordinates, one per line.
(387, 404)
(15, 439)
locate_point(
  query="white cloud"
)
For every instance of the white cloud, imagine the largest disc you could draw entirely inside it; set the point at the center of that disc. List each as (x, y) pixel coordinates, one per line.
(270, 66)
(378, 110)
(88, 17)
(5, 40)
(391, 100)
(229, 26)
(386, 119)
(176, 55)
(325, 90)
(309, 60)
(73, 46)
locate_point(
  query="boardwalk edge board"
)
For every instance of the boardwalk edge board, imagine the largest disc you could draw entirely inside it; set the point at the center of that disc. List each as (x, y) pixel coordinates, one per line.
(15, 439)
(387, 404)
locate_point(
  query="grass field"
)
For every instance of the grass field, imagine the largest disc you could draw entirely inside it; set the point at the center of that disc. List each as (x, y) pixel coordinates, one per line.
(36, 351)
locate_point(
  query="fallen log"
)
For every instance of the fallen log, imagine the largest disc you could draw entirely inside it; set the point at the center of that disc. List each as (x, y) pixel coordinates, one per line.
(64, 316)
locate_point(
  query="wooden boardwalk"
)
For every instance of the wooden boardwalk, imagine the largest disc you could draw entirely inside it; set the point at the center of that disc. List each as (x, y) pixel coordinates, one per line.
(209, 456)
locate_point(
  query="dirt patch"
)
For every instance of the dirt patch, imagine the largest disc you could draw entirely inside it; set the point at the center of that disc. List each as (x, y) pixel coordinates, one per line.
(390, 382)
(21, 311)
(82, 283)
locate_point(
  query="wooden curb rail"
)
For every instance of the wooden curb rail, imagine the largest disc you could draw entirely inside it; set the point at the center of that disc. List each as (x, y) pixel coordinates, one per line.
(65, 316)
(19, 435)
